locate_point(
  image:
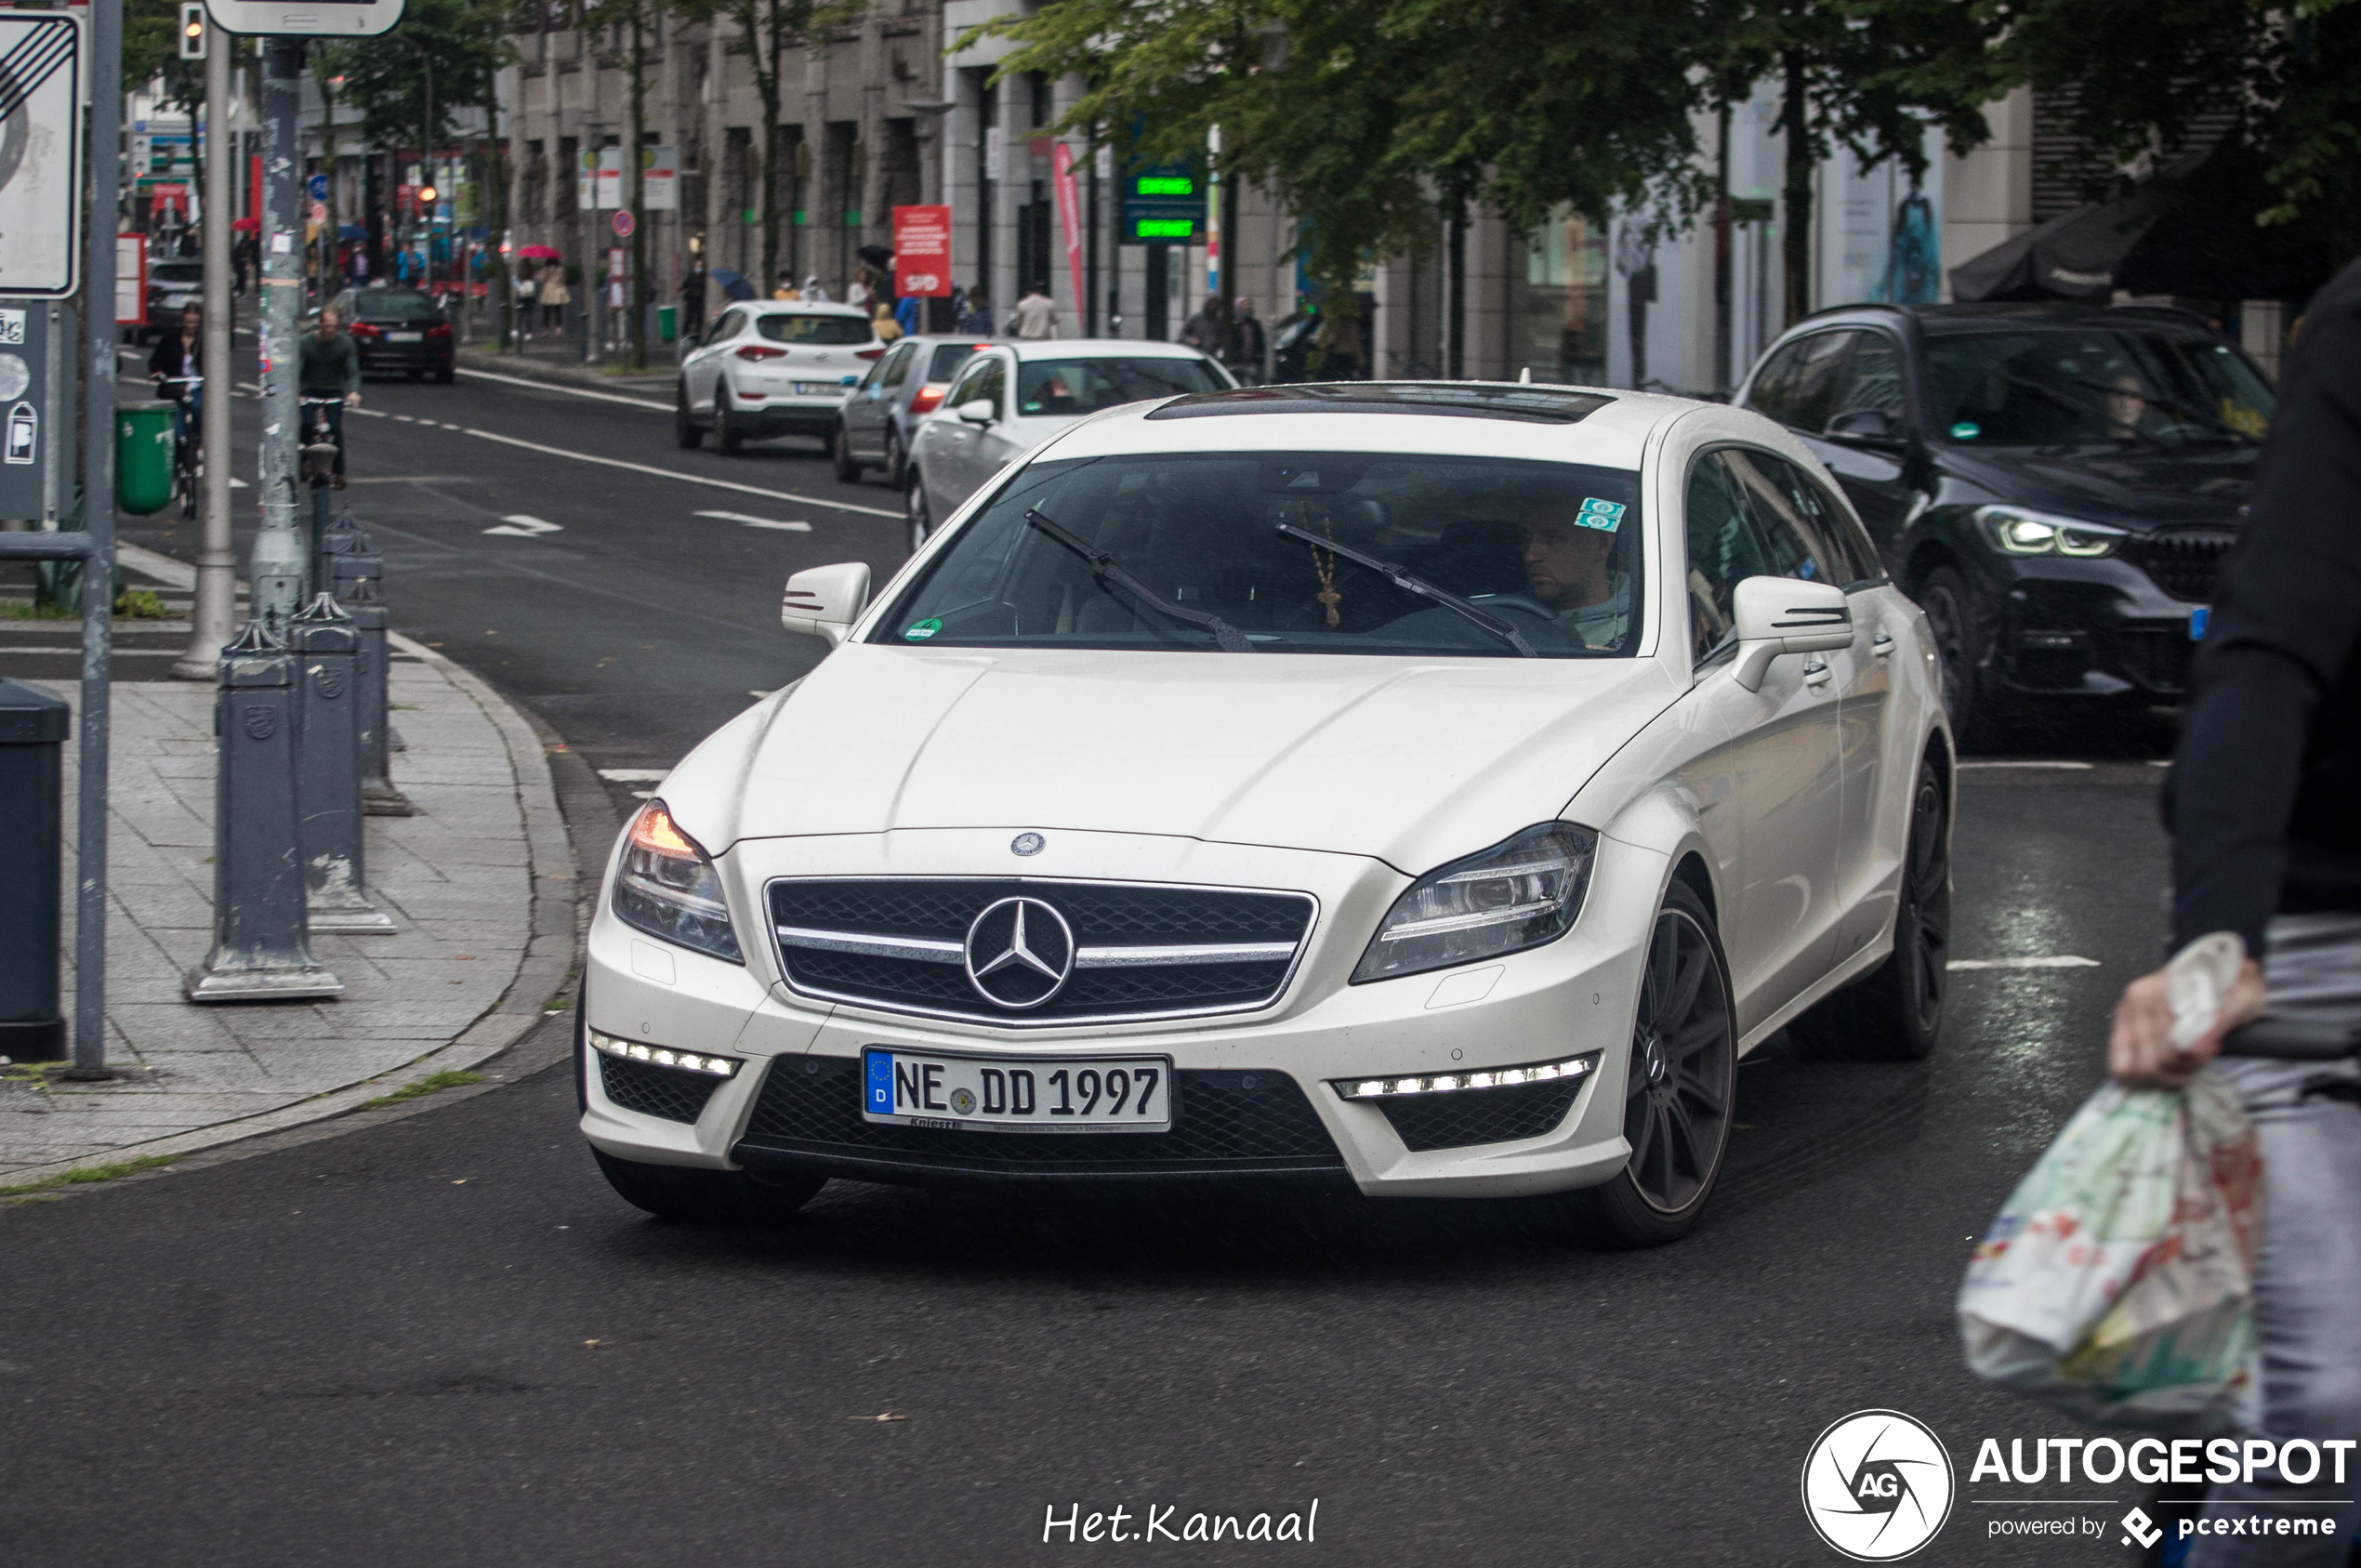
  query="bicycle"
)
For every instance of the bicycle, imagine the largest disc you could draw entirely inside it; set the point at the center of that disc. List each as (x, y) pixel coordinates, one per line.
(188, 437)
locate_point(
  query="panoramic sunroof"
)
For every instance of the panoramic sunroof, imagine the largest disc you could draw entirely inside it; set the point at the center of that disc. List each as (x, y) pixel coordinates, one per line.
(1546, 405)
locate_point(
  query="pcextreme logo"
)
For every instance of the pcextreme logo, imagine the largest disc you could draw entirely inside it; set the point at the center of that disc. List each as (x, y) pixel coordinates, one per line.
(1877, 1485)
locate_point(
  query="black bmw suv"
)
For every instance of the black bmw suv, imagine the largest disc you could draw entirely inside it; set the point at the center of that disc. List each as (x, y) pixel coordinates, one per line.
(2055, 485)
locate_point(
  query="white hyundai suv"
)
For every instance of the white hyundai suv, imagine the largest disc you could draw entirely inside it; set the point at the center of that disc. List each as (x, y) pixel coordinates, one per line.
(1428, 788)
(767, 370)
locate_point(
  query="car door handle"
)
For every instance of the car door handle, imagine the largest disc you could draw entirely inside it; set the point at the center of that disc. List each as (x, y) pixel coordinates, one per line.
(1882, 645)
(1816, 674)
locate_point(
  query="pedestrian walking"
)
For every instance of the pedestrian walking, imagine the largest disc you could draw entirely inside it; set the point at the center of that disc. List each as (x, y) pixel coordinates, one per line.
(881, 321)
(1246, 342)
(905, 315)
(693, 303)
(1198, 332)
(813, 291)
(976, 319)
(555, 297)
(528, 289)
(1035, 317)
(2266, 844)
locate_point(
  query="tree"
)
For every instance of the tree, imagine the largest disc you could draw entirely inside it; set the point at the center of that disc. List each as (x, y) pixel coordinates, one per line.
(767, 30)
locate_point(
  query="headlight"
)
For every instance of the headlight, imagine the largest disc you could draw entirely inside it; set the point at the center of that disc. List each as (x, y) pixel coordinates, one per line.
(668, 888)
(1520, 893)
(2020, 532)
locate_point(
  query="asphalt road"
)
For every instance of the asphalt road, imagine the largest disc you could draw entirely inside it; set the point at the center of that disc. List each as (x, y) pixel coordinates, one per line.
(443, 1342)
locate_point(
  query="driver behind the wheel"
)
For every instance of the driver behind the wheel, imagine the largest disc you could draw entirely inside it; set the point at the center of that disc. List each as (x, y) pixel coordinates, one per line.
(1571, 573)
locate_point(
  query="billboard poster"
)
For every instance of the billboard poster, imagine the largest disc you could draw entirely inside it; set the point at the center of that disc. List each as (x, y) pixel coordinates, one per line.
(922, 251)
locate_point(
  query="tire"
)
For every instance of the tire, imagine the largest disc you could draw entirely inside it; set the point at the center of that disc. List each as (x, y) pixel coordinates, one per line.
(1896, 1013)
(725, 435)
(444, 376)
(706, 1197)
(1680, 1093)
(841, 454)
(416, 375)
(897, 466)
(685, 433)
(919, 521)
(1978, 713)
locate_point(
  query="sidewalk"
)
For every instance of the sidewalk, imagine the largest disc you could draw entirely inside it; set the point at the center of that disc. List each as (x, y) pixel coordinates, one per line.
(559, 360)
(479, 883)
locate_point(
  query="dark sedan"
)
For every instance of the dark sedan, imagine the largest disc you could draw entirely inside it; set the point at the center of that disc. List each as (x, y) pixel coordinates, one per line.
(172, 287)
(397, 330)
(2055, 485)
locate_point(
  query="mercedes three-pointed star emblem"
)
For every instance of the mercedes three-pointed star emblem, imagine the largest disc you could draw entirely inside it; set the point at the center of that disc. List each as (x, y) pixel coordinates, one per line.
(1019, 952)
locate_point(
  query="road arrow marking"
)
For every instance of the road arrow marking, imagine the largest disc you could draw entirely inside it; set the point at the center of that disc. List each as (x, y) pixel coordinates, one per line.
(760, 521)
(519, 526)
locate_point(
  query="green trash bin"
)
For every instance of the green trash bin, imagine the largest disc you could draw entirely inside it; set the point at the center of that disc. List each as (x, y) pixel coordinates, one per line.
(143, 456)
(667, 322)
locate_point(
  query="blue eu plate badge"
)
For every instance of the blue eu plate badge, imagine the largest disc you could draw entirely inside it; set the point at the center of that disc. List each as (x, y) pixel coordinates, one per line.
(2197, 619)
(878, 1088)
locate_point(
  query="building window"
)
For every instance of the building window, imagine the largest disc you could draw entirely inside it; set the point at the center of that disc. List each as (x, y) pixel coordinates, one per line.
(1562, 329)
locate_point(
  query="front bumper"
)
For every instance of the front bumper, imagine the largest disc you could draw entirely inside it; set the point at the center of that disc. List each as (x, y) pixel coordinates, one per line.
(2097, 629)
(1254, 1091)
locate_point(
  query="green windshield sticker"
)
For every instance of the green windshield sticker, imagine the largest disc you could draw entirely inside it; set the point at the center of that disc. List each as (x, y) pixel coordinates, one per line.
(1605, 516)
(922, 631)
(1966, 430)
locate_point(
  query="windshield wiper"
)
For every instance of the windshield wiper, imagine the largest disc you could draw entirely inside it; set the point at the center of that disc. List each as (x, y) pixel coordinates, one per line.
(1419, 585)
(1103, 568)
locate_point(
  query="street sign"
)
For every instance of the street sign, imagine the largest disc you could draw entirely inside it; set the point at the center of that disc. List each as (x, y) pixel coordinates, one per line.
(37, 354)
(623, 223)
(342, 19)
(922, 251)
(660, 179)
(40, 156)
(319, 187)
(131, 279)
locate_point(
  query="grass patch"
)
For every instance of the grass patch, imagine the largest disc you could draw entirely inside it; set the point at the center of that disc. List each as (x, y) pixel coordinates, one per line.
(426, 1085)
(87, 1174)
(139, 604)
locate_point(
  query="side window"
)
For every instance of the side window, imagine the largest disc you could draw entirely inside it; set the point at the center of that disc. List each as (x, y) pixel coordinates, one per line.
(1723, 551)
(1872, 379)
(965, 388)
(895, 368)
(1811, 393)
(1789, 545)
(1837, 548)
(1771, 391)
(732, 324)
(990, 382)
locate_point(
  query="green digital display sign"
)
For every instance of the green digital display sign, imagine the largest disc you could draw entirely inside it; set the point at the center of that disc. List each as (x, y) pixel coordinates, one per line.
(1164, 185)
(1162, 229)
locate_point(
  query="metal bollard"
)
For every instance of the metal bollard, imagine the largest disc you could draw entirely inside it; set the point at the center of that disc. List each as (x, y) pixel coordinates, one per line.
(33, 734)
(328, 772)
(351, 556)
(378, 797)
(261, 949)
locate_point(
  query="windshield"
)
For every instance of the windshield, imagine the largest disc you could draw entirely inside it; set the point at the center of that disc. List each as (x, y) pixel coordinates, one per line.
(2092, 386)
(177, 272)
(1063, 388)
(393, 305)
(1548, 549)
(949, 358)
(830, 330)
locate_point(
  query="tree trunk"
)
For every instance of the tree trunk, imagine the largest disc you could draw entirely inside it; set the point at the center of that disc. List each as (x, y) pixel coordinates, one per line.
(1456, 300)
(496, 216)
(635, 327)
(769, 154)
(1795, 240)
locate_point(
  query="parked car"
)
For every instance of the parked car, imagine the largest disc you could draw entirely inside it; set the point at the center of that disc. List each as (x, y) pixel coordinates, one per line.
(878, 421)
(398, 331)
(1423, 789)
(2056, 484)
(171, 286)
(770, 370)
(1011, 397)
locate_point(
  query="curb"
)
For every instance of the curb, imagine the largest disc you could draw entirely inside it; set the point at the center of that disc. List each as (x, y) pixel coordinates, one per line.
(534, 370)
(556, 845)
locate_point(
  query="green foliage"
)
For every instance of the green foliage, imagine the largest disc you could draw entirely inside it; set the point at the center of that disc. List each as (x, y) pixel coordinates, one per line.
(85, 1174)
(459, 44)
(431, 1084)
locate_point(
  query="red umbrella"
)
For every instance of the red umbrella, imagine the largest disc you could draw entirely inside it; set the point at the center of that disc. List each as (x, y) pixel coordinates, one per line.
(538, 253)
(246, 226)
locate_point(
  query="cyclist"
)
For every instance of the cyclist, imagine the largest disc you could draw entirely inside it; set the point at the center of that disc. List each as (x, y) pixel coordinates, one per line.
(179, 361)
(2267, 844)
(329, 374)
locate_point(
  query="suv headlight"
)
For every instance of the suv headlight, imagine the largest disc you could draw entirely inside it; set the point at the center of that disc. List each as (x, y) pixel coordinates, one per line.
(1520, 893)
(668, 888)
(2019, 532)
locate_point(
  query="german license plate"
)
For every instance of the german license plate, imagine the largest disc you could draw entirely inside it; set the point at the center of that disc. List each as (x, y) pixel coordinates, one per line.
(817, 389)
(1016, 1094)
(2198, 618)
(405, 337)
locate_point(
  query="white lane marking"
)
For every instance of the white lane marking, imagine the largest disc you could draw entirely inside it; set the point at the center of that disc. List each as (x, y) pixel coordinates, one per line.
(2067, 767)
(2160, 762)
(237, 483)
(2059, 961)
(447, 426)
(523, 527)
(760, 521)
(568, 391)
(635, 775)
(685, 479)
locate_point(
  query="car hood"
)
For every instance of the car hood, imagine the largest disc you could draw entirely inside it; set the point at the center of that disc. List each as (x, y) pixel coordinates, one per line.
(1414, 761)
(2136, 487)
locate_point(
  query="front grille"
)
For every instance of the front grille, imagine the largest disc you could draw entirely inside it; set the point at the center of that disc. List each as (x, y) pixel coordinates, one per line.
(1141, 950)
(656, 1091)
(1223, 1123)
(2187, 565)
(2158, 661)
(1465, 1116)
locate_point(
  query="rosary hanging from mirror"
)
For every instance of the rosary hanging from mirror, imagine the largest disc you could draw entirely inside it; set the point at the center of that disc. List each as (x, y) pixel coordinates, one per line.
(1325, 567)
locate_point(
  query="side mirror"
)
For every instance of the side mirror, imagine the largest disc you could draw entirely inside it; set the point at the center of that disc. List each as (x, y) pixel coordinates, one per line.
(978, 410)
(826, 601)
(1869, 427)
(1779, 615)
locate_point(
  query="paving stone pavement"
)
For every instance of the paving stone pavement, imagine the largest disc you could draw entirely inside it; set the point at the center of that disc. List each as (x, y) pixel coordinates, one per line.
(479, 882)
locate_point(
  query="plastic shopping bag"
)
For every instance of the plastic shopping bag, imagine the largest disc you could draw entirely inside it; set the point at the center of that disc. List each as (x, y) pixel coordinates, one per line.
(2117, 1282)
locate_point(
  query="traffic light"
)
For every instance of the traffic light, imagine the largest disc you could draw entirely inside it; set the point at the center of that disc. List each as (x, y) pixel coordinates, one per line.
(426, 197)
(192, 31)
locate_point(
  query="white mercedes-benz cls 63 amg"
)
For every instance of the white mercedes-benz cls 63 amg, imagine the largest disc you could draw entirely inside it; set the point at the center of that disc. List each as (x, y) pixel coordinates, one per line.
(1432, 789)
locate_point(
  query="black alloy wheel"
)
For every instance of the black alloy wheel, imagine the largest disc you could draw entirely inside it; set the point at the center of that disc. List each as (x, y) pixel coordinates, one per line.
(725, 435)
(685, 432)
(897, 467)
(920, 520)
(443, 376)
(1975, 711)
(1896, 1012)
(1682, 1080)
(840, 453)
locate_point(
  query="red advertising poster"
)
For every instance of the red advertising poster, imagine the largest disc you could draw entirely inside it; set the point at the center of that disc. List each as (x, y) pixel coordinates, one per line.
(922, 251)
(1069, 215)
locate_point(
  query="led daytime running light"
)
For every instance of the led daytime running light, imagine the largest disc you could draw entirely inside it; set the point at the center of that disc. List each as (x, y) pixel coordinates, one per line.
(1485, 1078)
(2020, 532)
(661, 1055)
